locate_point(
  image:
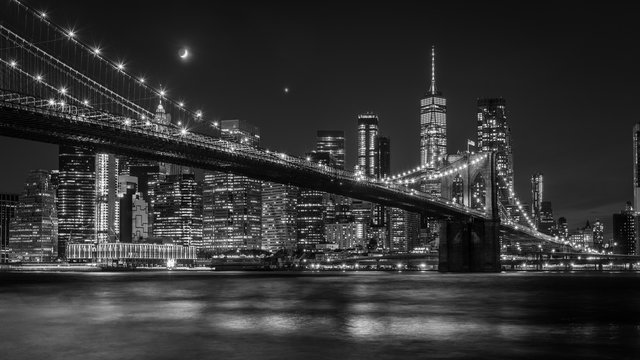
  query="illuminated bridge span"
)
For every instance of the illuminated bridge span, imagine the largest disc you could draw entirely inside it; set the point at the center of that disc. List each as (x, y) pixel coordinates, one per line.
(55, 88)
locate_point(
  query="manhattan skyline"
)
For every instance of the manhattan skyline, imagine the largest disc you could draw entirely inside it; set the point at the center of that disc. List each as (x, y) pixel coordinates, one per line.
(568, 85)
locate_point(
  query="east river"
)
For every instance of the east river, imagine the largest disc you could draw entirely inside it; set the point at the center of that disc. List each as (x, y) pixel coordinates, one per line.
(352, 315)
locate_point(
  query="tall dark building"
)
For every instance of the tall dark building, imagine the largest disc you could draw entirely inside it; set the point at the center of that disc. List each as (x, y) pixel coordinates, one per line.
(598, 235)
(127, 187)
(149, 175)
(384, 156)
(494, 134)
(368, 161)
(562, 229)
(34, 228)
(636, 166)
(380, 214)
(332, 142)
(232, 204)
(624, 231)
(547, 223)
(433, 123)
(76, 195)
(536, 198)
(8, 204)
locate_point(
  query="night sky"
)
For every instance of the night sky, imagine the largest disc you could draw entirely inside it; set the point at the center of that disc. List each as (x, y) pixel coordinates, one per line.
(569, 74)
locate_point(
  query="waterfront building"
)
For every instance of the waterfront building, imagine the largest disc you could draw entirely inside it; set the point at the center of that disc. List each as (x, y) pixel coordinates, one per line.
(233, 203)
(433, 124)
(107, 203)
(8, 204)
(179, 210)
(624, 231)
(76, 195)
(34, 228)
(279, 216)
(536, 198)
(344, 234)
(494, 134)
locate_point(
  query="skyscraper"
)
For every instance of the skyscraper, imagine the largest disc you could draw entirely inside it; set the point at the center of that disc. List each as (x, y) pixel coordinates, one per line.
(76, 195)
(368, 160)
(34, 228)
(179, 210)
(332, 142)
(233, 203)
(279, 220)
(636, 166)
(494, 134)
(433, 123)
(107, 204)
(536, 198)
(624, 231)
(8, 204)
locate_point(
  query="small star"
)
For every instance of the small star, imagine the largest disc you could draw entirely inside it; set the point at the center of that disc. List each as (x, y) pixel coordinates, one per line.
(286, 90)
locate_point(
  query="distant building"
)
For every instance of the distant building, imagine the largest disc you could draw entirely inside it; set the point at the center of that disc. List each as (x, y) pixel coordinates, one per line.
(368, 160)
(34, 228)
(312, 209)
(233, 203)
(536, 198)
(433, 124)
(547, 222)
(624, 231)
(76, 195)
(179, 210)
(582, 237)
(562, 229)
(598, 235)
(279, 216)
(494, 134)
(332, 142)
(8, 204)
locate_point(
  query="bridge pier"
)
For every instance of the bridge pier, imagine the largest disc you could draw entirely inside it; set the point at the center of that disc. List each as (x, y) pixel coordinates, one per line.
(469, 245)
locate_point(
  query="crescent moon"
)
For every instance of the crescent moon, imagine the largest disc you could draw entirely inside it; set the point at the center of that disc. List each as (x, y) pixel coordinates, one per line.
(185, 54)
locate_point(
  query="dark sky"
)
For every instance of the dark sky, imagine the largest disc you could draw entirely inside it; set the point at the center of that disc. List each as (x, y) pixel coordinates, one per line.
(569, 72)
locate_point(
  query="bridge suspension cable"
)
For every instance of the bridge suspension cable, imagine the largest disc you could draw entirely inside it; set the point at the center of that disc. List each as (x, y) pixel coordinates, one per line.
(108, 71)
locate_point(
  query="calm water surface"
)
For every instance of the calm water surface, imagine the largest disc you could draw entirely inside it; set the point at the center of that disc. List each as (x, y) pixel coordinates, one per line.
(365, 315)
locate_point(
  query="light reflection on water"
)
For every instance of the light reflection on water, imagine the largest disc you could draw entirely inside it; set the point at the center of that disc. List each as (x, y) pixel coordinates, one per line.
(342, 315)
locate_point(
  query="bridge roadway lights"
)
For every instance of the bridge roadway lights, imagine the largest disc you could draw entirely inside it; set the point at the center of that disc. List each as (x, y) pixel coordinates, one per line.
(469, 245)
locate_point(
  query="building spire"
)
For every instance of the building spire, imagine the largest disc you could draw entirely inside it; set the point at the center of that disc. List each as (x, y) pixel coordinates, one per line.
(432, 89)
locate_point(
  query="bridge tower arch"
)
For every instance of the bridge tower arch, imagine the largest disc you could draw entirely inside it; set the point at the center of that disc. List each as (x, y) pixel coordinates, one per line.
(467, 243)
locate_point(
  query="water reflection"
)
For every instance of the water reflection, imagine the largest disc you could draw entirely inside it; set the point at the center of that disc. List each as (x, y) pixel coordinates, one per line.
(346, 315)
